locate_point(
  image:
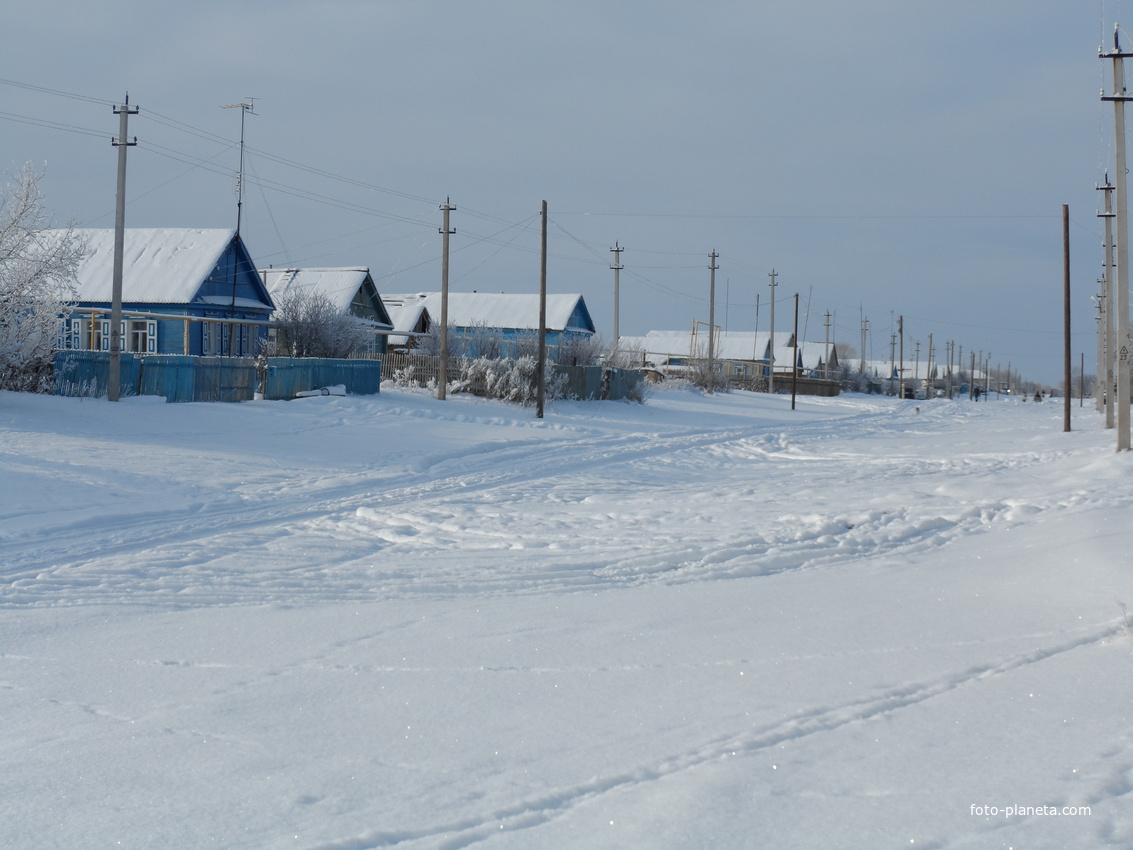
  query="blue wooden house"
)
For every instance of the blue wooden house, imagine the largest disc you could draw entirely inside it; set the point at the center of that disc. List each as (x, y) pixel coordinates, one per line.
(184, 291)
(505, 323)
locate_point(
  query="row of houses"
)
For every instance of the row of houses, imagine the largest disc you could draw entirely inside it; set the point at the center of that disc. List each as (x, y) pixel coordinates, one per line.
(198, 292)
(741, 356)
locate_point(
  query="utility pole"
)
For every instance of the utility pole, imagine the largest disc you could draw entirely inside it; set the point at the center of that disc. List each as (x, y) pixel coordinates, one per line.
(901, 339)
(865, 324)
(712, 317)
(892, 357)
(442, 367)
(928, 368)
(795, 355)
(1121, 302)
(1106, 373)
(826, 354)
(771, 340)
(917, 369)
(541, 379)
(1066, 315)
(617, 267)
(114, 382)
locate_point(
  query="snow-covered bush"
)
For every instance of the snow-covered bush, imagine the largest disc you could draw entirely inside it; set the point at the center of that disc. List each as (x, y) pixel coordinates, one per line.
(37, 284)
(309, 325)
(510, 380)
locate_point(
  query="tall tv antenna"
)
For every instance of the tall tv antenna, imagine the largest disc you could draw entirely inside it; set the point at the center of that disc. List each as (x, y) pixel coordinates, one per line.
(246, 107)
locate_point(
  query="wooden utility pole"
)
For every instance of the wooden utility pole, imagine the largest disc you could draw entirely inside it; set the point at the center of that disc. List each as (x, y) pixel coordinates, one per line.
(901, 349)
(712, 267)
(795, 355)
(442, 367)
(826, 354)
(1121, 283)
(1066, 377)
(771, 340)
(617, 267)
(114, 382)
(541, 379)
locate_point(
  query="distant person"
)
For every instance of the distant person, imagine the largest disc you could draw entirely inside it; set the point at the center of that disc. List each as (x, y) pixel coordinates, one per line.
(1038, 395)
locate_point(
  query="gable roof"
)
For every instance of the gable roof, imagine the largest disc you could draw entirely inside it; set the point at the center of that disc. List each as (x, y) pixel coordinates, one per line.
(159, 265)
(730, 345)
(342, 286)
(408, 314)
(500, 310)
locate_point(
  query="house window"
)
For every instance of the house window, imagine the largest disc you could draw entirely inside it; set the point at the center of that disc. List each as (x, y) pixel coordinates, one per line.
(81, 334)
(141, 336)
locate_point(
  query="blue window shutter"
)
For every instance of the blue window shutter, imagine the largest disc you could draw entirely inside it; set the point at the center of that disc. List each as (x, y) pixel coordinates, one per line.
(151, 336)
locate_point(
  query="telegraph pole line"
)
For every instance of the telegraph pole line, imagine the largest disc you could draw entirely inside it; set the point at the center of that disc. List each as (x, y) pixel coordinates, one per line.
(1121, 301)
(442, 368)
(771, 339)
(617, 267)
(712, 268)
(114, 382)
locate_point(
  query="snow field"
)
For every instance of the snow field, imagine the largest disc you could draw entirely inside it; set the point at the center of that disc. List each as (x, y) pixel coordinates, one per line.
(705, 621)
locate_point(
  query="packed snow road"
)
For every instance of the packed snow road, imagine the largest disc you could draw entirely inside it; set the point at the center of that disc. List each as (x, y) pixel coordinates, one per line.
(703, 621)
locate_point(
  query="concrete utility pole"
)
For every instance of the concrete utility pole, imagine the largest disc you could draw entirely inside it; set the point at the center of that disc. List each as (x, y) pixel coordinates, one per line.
(771, 339)
(617, 267)
(712, 317)
(442, 367)
(1109, 331)
(541, 379)
(1121, 301)
(114, 382)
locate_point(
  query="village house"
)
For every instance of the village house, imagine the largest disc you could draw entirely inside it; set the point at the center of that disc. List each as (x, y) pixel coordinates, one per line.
(349, 290)
(184, 291)
(501, 325)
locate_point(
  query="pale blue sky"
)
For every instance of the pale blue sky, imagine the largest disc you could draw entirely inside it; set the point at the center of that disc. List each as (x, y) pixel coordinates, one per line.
(885, 157)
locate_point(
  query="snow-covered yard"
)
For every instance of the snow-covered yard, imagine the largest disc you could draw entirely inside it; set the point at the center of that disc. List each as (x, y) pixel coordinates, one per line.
(700, 622)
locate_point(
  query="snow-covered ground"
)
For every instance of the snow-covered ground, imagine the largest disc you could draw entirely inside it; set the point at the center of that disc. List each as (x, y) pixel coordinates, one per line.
(701, 622)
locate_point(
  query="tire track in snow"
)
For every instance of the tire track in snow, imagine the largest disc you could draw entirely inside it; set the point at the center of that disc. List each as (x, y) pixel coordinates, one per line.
(542, 809)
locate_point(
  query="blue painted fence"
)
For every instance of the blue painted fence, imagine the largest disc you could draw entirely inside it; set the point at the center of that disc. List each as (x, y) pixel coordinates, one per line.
(183, 378)
(287, 376)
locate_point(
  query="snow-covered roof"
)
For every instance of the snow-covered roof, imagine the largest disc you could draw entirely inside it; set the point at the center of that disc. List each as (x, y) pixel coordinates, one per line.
(339, 285)
(405, 313)
(159, 265)
(500, 310)
(730, 345)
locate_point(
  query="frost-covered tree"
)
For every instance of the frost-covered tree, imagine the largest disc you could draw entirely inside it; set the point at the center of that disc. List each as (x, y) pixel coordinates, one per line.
(309, 325)
(37, 284)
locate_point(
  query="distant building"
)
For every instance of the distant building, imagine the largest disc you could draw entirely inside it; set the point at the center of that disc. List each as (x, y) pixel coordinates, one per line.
(483, 322)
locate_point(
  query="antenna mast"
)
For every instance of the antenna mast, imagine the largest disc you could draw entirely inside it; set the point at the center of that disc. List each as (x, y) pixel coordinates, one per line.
(245, 108)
